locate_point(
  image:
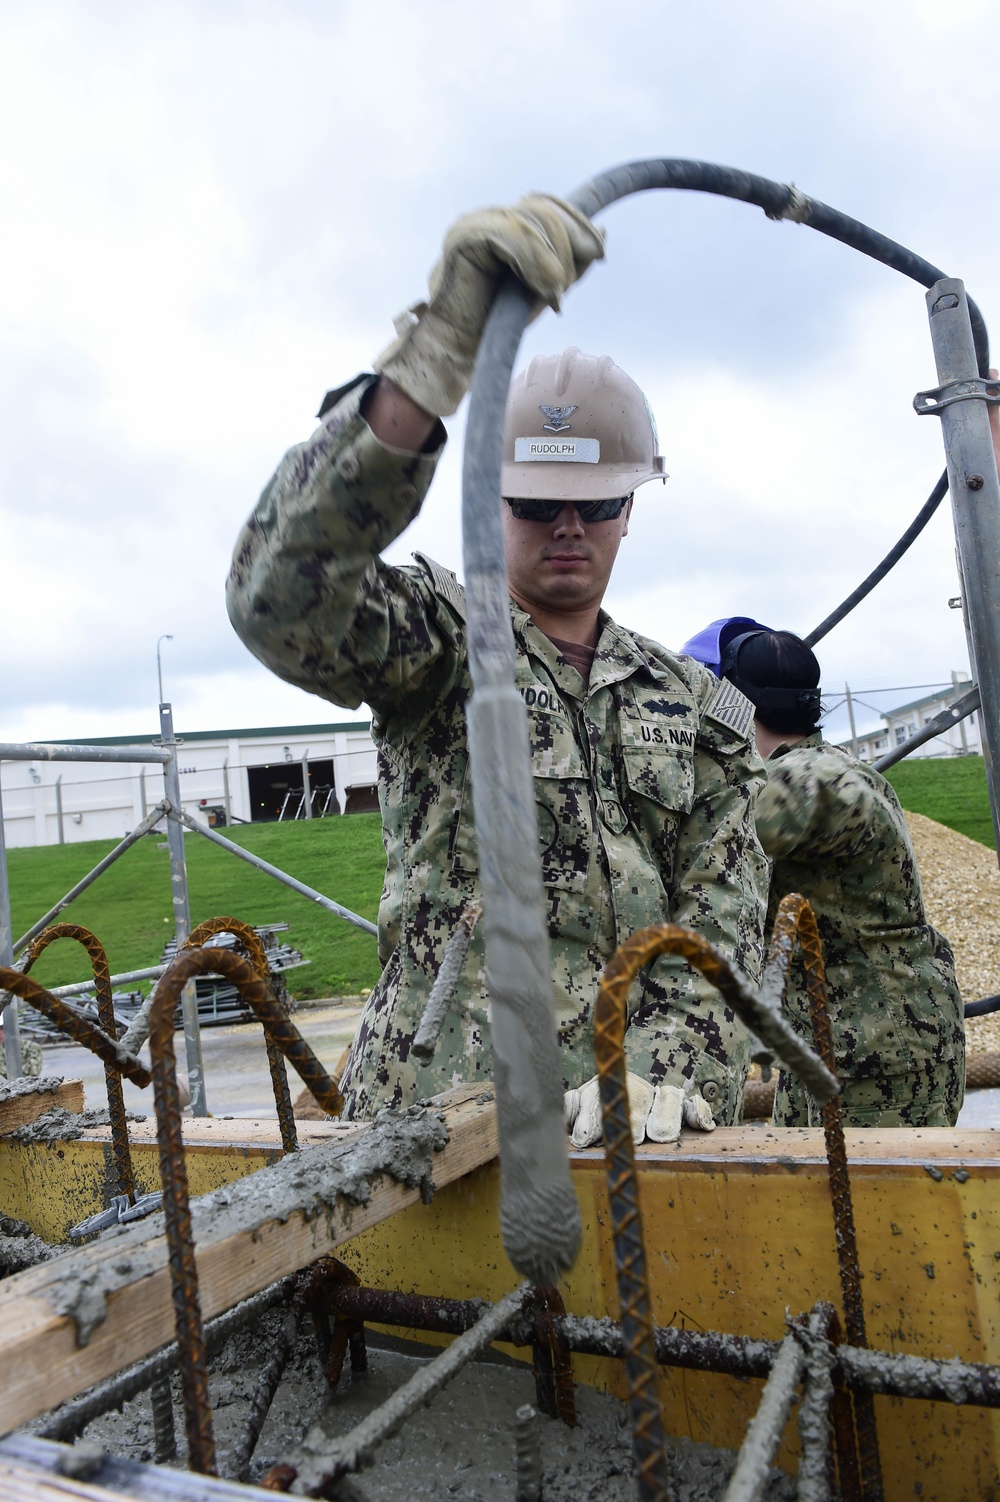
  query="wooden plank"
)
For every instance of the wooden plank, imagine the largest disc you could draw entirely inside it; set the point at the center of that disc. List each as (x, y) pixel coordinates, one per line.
(21, 1109)
(31, 1471)
(41, 1364)
(774, 1147)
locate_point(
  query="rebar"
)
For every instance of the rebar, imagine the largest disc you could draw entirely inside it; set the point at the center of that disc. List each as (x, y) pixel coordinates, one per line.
(349, 1451)
(307, 1285)
(249, 941)
(527, 1455)
(438, 1002)
(177, 1206)
(649, 1441)
(757, 1451)
(70, 1022)
(815, 1479)
(551, 1360)
(70, 1419)
(106, 1017)
(950, 1381)
(795, 920)
(164, 1437)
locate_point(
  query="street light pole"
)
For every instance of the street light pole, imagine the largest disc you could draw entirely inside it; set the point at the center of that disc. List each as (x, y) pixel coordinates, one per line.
(159, 668)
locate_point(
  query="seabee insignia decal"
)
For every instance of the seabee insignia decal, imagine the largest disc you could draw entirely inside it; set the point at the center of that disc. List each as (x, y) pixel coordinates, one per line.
(556, 418)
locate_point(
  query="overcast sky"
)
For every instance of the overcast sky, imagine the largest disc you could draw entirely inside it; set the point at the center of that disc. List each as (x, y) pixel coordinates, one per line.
(213, 211)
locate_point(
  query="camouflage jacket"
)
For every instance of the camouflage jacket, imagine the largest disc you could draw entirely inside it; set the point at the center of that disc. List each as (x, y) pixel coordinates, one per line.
(644, 780)
(837, 835)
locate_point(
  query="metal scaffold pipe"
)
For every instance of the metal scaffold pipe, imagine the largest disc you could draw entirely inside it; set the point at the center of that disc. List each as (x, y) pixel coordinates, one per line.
(182, 914)
(961, 401)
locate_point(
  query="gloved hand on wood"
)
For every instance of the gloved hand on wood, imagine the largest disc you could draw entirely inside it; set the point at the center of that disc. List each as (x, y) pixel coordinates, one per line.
(657, 1112)
(546, 242)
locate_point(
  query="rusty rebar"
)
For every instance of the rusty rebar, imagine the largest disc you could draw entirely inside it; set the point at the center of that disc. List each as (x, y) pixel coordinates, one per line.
(795, 919)
(249, 941)
(845, 1434)
(347, 1329)
(273, 1368)
(75, 1026)
(176, 1201)
(552, 1362)
(649, 1440)
(106, 1017)
(164, 1438)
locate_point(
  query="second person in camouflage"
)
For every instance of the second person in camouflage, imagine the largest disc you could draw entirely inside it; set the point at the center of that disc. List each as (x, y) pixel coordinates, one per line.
(644, 769)
(837, 835)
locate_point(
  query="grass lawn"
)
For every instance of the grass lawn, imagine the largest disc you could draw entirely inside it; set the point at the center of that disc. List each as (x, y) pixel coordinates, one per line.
(129, 909)
(952, 791)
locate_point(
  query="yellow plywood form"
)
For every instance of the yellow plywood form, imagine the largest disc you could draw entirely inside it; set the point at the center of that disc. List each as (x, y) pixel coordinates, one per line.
(54, 1185)
(237, 1253)
(739, 1228)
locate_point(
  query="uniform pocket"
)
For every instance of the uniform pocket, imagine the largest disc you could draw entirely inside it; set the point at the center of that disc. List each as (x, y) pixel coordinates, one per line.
(563, 802)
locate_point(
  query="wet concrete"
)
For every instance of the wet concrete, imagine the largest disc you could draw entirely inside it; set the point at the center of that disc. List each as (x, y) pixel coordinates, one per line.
(236, 1079)
(460, 1447)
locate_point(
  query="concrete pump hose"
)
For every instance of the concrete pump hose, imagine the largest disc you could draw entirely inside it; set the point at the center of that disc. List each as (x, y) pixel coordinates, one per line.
(538, 1212)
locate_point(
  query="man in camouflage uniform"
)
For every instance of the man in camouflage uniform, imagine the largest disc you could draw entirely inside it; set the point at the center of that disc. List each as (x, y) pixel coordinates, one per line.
(837, 835)
(644, 772)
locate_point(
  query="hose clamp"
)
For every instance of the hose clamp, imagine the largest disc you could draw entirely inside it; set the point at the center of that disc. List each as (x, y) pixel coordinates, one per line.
(978, 390)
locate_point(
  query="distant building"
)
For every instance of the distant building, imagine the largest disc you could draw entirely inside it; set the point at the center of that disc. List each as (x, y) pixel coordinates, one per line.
(901, 725)
(227, 776)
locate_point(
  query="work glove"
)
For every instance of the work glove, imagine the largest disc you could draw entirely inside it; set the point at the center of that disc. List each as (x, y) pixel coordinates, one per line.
(657, 1112)
(545, 241)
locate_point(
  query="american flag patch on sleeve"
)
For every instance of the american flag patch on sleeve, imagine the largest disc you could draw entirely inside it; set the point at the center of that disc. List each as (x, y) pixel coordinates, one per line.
(731, 708)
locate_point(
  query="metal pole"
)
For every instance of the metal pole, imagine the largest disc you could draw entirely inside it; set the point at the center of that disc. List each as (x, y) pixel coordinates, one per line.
(307, 803)
(59, 810)
(159, 669)
(11, 1035)
(142, 793)
(850, 716)
(279, 875)
(102, 865)
(975, 500)
(226, 802)
(182, 913)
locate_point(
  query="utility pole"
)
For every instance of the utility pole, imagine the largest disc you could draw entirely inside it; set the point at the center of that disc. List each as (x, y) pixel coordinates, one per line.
(850, 716)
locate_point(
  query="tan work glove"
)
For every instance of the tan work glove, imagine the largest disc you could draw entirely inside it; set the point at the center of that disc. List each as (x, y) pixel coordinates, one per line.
(657, 1113)
(545, 241)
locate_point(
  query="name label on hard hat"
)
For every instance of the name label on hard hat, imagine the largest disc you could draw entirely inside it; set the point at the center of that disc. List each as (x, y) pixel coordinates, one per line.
(562, 450)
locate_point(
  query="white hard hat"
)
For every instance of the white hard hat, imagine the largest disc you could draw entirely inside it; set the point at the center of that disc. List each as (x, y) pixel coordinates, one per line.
(578, 428)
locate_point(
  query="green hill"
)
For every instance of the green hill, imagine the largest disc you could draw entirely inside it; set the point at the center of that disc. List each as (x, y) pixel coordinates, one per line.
(950, 790)
(129, 909)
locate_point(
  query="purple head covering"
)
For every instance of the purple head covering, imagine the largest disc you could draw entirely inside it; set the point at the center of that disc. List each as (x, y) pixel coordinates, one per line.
(710, 643)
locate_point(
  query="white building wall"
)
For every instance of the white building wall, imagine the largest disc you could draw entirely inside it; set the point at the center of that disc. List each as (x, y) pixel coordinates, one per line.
(103, 801)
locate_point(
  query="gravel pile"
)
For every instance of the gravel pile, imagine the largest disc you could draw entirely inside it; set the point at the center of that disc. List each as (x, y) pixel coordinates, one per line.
(961, 883)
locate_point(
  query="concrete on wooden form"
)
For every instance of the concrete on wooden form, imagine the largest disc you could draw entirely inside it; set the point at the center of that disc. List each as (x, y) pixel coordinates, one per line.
(738, 1229)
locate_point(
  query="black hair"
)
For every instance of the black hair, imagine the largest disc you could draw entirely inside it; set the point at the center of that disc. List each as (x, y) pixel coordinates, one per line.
(779, 675)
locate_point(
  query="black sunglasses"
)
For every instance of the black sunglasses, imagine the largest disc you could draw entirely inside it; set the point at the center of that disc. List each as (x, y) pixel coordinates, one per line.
(588, 511)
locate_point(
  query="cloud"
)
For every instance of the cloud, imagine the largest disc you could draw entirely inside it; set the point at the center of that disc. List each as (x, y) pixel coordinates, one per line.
(216, 210)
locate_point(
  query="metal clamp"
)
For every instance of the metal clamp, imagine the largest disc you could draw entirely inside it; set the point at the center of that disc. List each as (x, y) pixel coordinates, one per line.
(977, 390)
(118, 1213)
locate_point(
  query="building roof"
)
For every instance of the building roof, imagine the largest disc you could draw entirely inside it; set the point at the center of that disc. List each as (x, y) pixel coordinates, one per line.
(271, 732)
(947, 691)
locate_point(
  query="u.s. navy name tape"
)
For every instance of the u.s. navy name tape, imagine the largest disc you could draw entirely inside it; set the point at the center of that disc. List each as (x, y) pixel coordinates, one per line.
(562, 450)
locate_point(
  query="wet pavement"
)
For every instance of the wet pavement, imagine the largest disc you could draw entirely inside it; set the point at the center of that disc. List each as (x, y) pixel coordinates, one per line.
(236, 1079)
